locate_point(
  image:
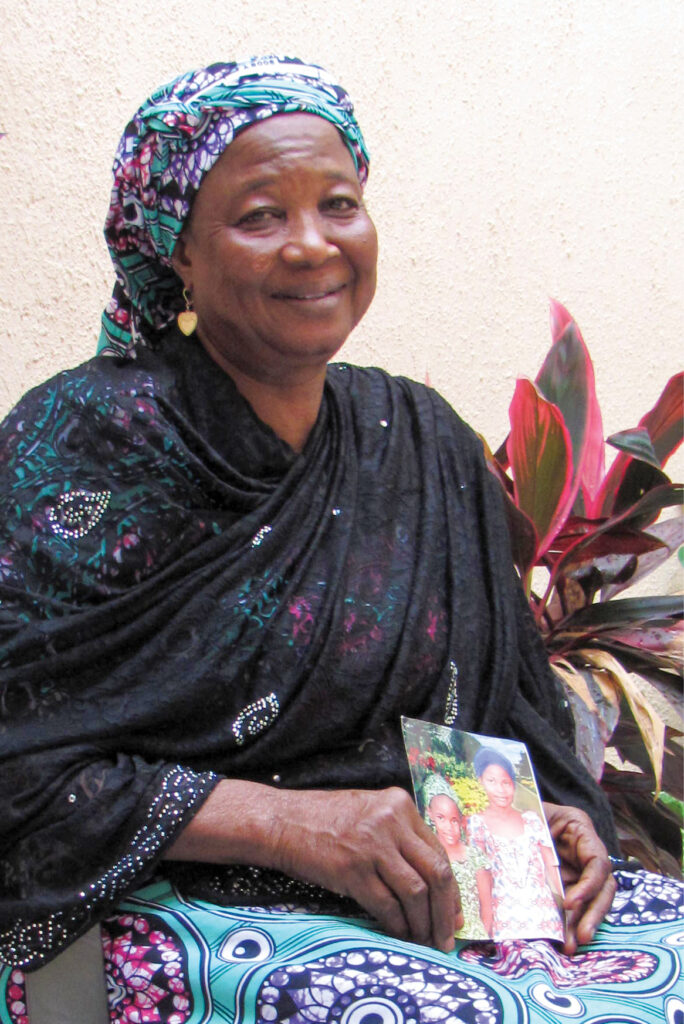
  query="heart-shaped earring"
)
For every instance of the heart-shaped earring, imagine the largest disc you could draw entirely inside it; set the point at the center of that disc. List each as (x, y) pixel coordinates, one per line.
(187, 318)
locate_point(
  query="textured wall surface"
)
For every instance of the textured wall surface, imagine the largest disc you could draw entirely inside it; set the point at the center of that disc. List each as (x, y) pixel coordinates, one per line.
(520, 150)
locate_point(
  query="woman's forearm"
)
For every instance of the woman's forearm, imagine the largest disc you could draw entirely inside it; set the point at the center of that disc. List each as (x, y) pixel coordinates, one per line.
(238, 823)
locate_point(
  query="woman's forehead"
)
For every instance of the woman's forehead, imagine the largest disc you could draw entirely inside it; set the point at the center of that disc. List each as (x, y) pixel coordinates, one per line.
(266, 147)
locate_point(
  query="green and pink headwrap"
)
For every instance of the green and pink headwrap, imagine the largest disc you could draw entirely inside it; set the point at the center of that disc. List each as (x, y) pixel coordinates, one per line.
(436, 785)
(172, 142)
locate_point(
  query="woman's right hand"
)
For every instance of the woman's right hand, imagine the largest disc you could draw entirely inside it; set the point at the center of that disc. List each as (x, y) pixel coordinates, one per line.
(371, 845)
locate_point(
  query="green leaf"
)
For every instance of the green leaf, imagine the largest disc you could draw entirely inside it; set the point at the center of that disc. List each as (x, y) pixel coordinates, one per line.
(672, 804)
(625, 610)
(636, 442)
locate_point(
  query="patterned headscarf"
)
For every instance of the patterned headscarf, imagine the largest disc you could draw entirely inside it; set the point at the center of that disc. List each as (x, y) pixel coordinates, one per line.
(436, 785)
(172, 142)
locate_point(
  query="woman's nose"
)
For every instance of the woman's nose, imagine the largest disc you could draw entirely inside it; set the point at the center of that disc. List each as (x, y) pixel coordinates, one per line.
(308, 242)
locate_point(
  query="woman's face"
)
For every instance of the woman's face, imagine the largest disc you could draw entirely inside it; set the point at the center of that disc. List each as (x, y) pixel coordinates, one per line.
(446, 818)
(498, 785)
(279, 252)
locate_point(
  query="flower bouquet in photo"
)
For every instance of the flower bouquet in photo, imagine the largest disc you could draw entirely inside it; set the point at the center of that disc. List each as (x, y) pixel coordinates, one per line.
(479, 796)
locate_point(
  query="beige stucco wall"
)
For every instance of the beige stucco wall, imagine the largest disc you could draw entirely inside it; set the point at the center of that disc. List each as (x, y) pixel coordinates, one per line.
(520, 150)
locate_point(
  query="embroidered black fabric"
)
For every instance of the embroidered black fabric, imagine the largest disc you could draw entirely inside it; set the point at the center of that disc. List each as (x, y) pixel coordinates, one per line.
(178, 587)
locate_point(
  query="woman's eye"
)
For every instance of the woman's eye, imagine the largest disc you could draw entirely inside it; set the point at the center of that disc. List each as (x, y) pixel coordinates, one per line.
(258, 218)
(342, 204)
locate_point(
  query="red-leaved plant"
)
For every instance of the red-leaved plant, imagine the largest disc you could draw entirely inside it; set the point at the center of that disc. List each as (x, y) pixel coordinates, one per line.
(595, 533)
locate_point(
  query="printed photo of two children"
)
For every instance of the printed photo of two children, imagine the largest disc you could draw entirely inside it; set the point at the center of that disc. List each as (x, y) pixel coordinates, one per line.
(479, 796)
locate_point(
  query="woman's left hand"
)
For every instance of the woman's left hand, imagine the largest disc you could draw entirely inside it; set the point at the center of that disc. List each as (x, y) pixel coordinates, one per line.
(585, 870)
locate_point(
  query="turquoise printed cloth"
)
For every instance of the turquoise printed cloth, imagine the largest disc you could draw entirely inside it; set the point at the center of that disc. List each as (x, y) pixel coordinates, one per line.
(173, 961)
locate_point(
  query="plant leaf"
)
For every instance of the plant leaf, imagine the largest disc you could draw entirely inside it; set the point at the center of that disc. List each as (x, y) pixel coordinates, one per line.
(665, 641)
(671, 533)
(665, 426)
(635, 442)
(567, 380)
(608, 614)
(540, 455)
(589, 744)
(637, 819)
(559, 318)
(495, 466)
(606, 559)
(620, 541)
(644, 511)
(594, 467)
(524, 540)
(595, 699)
(665, 421)
(649, 722)
(638, 659)
(637, 480)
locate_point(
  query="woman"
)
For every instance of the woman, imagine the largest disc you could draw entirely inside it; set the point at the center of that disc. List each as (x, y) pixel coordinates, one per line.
(526, 892)
(470, 866)
(228, 570)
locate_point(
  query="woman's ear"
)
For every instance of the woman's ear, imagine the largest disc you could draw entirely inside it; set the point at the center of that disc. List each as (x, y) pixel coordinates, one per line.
(181, 262)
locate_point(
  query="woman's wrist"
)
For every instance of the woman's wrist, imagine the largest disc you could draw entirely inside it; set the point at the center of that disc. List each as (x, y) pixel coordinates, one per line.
(239, 823)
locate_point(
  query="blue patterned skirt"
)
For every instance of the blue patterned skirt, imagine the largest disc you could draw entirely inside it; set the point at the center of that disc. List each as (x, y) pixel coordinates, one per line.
(189, 962)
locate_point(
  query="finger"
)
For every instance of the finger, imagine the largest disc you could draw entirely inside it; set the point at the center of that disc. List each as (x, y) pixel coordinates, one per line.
(381, 903)
(585, 915)
(569, 874)
(444, 901)
(593, 876)
(594, 912)
(413, 895)
(447, 916)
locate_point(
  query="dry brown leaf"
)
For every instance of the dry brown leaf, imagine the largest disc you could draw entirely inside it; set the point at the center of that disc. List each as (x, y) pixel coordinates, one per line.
(607, 674)
(649, 722)
(575, 680)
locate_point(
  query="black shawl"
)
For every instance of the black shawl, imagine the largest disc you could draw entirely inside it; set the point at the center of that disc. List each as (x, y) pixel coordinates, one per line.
(183, 597)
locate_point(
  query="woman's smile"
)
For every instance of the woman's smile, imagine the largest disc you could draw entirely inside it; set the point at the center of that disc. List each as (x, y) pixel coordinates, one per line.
(310, 295)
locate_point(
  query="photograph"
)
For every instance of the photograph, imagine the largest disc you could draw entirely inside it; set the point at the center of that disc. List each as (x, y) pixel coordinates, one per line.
(479, 796)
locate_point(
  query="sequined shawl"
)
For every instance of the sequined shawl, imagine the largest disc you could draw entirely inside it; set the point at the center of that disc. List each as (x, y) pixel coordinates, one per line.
(182, 597)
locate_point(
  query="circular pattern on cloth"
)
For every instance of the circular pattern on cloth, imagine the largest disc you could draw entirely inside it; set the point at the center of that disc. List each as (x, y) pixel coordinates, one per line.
(375, 986)
(146, 971)
(246, 946)
(15, 997)
(562, 1004)
(674, 1010)
(645, 899)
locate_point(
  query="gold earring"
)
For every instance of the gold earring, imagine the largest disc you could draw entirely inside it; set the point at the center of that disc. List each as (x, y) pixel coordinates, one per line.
(187, 318)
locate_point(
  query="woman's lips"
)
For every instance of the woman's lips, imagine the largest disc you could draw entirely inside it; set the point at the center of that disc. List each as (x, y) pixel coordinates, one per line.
(309, 295)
